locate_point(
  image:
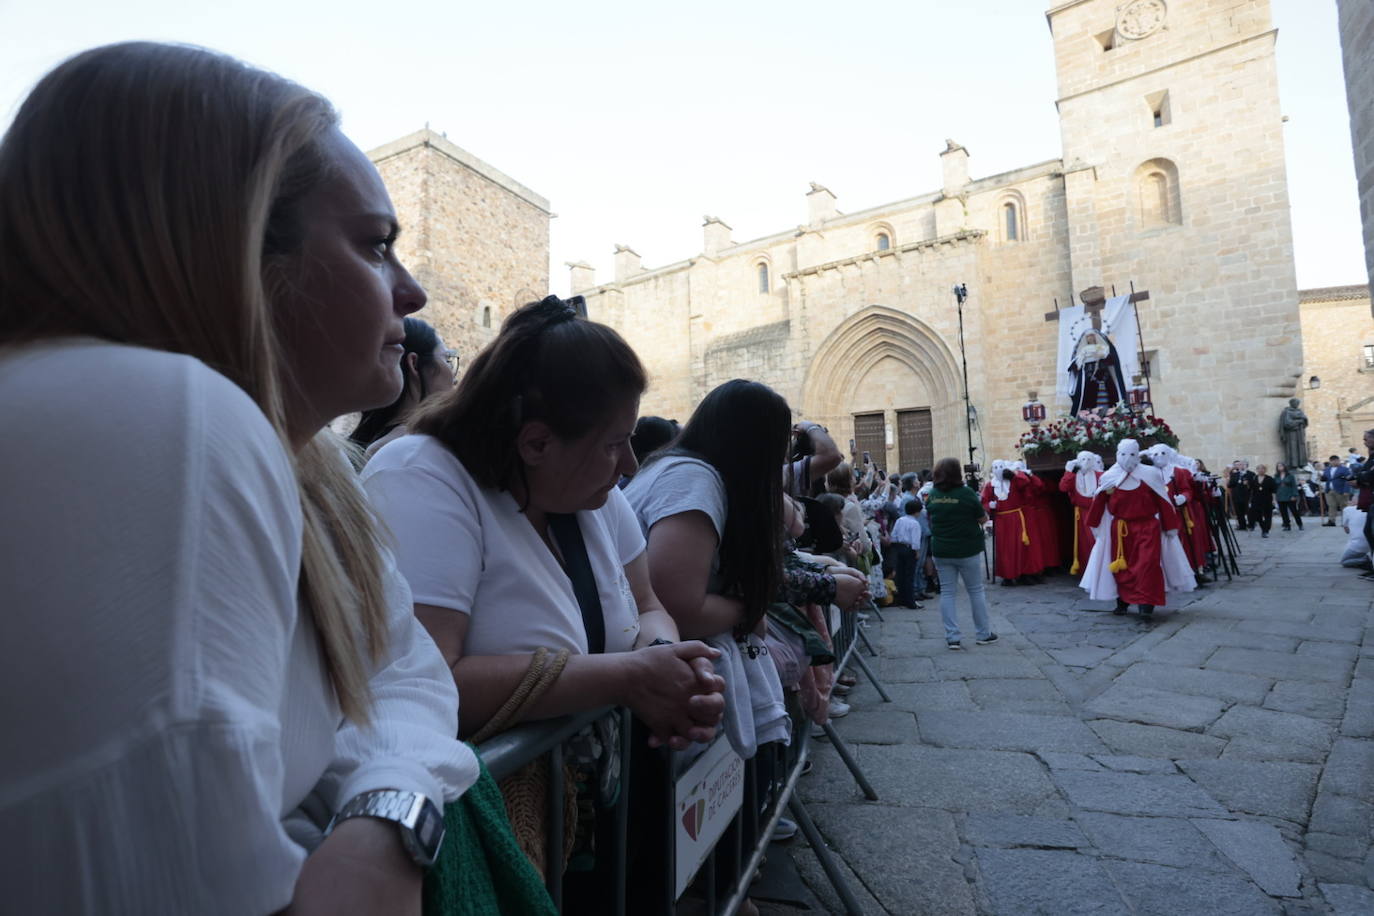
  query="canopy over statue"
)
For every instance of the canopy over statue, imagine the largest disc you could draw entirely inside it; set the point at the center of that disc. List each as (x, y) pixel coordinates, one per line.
(1293, 434)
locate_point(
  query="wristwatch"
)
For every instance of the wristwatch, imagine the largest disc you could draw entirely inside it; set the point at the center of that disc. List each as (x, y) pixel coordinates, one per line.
(420, 821)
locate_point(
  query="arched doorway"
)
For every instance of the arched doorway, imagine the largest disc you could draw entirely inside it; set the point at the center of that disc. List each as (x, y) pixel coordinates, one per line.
(887, 380)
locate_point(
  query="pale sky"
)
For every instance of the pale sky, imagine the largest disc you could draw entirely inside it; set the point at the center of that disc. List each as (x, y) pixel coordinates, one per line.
(635, 120)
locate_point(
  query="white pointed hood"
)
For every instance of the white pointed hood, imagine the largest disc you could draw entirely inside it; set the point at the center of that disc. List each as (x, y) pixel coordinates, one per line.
(1001, 489)
(1085, 468)
(1128, 467)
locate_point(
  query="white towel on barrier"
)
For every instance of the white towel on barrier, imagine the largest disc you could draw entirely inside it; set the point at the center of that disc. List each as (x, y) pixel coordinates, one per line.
(754, 711)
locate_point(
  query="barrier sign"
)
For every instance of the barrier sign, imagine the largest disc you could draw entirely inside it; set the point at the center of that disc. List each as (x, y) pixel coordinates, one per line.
(707, 797)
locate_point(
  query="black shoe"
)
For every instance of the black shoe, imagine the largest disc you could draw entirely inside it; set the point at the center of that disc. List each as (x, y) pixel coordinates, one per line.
(1264, 534)
(1121, 608)
(1287, 528)
(1008, 583)
(1147, 610)
(992, 638)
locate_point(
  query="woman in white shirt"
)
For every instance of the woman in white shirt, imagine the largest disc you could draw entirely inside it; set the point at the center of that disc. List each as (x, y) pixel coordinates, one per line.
(480, 499)
(208, 653)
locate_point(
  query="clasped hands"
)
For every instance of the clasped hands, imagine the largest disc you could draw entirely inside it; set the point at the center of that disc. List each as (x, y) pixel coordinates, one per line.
(676, 692)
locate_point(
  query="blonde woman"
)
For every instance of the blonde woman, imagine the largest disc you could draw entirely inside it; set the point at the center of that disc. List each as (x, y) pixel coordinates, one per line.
(203, 639)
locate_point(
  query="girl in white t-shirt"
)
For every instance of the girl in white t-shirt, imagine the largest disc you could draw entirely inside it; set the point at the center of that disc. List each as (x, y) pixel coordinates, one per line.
(537, 436)
(207, 654)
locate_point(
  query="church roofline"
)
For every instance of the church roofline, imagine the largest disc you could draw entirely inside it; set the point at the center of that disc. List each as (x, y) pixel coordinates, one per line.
(426, 137)
(1334, 293)
(963, 235)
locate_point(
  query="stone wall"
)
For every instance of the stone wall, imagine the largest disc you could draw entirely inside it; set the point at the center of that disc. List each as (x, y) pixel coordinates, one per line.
(1216, 255)
(1336, 327)
(476, 239)
(1357, 47)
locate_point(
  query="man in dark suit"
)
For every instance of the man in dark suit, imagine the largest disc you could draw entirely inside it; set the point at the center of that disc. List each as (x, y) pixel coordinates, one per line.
(1240, 483)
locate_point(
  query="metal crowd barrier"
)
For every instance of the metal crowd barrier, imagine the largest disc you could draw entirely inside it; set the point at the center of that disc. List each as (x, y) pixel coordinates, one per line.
(769, 781)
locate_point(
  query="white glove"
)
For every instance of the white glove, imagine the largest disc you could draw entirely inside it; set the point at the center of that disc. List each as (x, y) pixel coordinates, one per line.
(1171, 533)
(1180, 499)
(992, 504)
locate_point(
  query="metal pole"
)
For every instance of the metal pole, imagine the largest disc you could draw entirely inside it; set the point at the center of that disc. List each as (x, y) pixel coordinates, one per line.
(1140, 343)
(960, 294)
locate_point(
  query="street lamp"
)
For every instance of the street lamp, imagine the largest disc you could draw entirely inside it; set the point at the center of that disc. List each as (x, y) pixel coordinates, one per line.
(1138, 396)
(1033, 412)
(960, 294)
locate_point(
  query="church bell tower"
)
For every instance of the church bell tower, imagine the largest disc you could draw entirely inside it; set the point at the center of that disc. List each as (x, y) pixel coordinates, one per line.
(1174, 179)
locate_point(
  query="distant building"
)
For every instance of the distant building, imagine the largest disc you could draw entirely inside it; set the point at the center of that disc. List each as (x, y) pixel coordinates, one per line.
(1338, 358)
(475, 238)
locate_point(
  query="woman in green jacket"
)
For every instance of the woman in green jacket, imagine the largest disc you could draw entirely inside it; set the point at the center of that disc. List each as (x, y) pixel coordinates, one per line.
(1287, 495)
(956, 529)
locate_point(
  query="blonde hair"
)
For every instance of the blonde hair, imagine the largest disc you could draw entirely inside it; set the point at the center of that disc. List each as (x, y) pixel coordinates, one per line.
(148, 196)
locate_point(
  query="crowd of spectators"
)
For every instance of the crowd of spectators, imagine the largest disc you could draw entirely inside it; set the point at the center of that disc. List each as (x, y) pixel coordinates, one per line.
(262, 657)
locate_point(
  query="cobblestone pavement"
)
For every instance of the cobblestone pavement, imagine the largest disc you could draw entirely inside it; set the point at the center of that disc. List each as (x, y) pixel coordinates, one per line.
(1218, 760)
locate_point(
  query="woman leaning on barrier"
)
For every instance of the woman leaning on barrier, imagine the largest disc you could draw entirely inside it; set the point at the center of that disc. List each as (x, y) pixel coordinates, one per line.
(526, 564)
(203, 640)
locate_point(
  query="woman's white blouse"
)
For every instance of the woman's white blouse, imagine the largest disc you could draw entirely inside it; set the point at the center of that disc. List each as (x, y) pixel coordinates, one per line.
(470, 549)
(164, 706)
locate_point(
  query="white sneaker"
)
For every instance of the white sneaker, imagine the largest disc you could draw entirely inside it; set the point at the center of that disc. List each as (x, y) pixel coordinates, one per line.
(838, 708)
(785, 830)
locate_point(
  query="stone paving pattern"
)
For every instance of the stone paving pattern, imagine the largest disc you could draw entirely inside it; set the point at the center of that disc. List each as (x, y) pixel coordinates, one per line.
(1218, 760)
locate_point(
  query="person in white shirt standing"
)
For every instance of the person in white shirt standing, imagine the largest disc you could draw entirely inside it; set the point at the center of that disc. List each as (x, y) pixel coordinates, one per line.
(208, 655)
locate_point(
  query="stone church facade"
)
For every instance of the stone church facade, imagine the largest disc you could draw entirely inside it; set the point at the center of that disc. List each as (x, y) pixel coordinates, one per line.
(1172, 177)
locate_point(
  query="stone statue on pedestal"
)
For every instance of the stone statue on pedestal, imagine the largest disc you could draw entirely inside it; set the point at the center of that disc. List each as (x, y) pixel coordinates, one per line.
(1293, 434)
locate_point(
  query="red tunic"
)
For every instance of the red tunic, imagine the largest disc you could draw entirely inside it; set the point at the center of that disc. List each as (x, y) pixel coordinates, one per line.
(1181, 484)
(1046, 534)
(1013, 527)
(1083, 535)
(1201, 534)
(1137, 517)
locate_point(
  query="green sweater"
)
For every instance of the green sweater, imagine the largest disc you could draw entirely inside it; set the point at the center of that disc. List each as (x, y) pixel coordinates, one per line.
(954, 529)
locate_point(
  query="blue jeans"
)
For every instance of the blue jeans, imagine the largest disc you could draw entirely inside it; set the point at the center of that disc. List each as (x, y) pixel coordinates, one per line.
(970, 569)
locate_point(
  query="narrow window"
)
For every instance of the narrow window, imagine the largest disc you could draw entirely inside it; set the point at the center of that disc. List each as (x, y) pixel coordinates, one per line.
(763, 278)
(1009, 215)
(1107, 39)
(486, 316)
(1369, 356)
(884, 243)
(1158, 104)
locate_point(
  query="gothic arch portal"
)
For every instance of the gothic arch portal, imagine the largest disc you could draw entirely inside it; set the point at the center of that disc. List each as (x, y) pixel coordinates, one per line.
(830, 393)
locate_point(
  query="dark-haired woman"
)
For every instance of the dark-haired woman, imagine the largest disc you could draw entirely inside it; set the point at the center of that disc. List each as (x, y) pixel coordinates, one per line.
(427, 367)
(956, 525)
(1286, 493)
(521, 552)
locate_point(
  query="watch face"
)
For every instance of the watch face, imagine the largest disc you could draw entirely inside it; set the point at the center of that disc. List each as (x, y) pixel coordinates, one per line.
(428, 827)
(1140, 18)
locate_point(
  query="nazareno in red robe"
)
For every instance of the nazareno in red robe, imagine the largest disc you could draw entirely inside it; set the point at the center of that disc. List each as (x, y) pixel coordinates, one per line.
(1138, 516)
(1046, 536)
(1083, 539)
(1201, 534)
(1181, 484)
(1014, 531)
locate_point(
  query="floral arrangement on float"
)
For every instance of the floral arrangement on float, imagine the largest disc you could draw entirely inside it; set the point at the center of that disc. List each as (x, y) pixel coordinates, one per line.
(1096, 430)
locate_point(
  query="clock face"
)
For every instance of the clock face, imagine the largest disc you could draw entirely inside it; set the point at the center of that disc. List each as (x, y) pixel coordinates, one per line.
(1140, 18)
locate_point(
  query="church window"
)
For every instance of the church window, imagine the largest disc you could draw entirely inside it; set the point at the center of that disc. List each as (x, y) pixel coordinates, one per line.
(1368, 352)
(1107, 39)
(1158, 104)
(763, 276)
(1157, 194)
(884, 242)
(486, 316)
(1011, 217)
(1149, 364)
